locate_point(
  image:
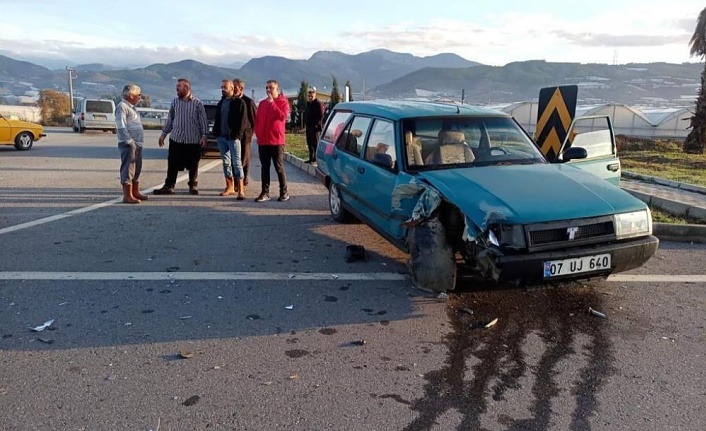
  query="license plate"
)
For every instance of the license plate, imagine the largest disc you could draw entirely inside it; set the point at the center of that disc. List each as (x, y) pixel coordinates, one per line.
(100, 117)
(555, 268)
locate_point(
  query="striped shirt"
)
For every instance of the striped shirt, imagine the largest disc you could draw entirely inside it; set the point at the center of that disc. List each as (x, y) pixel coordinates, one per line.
(128, 124)
(187, 121)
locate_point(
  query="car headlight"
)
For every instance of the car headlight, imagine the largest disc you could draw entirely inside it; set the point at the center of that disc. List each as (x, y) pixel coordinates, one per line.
(512, 236)
(629, 225)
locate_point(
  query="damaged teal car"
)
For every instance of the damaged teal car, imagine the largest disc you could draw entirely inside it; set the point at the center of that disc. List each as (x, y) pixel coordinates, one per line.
(459, 186)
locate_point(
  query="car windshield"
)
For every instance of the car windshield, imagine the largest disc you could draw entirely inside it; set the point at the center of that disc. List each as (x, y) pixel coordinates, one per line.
(440, 143)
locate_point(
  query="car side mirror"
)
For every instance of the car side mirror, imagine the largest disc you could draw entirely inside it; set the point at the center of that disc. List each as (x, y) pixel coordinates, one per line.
(574, 153)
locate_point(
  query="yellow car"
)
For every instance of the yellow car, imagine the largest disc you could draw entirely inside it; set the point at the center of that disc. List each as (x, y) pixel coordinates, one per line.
(21, 134)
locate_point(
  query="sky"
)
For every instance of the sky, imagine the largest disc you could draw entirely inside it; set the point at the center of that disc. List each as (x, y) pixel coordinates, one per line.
(130, 33)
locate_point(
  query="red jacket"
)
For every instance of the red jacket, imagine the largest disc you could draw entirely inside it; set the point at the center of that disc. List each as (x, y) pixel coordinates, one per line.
(270, 121)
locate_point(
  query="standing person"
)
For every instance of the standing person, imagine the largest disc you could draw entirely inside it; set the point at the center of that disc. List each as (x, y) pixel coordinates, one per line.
(272, 113)
(251, 111)
(187, 127)
(228, 130)
(313, 119)
(131, 136)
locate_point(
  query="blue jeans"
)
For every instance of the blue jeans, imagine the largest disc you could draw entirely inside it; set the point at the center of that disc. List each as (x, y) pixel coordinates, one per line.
(230, 154)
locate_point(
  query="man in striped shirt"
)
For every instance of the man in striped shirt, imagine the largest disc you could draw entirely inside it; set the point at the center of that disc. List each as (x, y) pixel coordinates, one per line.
(187, 128)
(131, 136)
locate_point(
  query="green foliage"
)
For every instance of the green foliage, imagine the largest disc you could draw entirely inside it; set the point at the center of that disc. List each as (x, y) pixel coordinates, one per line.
(145, 102)
(55, 107)
(335, 94)
(301, 103)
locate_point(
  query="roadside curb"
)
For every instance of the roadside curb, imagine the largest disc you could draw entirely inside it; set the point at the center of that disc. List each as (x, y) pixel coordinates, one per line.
(299, 164)
(663, 231)
(664, 182)
(669, 205)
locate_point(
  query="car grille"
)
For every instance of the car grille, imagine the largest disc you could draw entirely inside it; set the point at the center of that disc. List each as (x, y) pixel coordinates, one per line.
(556, 235)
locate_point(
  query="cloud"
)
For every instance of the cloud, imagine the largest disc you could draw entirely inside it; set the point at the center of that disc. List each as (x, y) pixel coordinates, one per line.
(620, 41)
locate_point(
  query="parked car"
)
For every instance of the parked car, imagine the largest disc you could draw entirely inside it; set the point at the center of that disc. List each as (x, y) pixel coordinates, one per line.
(455, 185)
(21, 134)
(94, 114)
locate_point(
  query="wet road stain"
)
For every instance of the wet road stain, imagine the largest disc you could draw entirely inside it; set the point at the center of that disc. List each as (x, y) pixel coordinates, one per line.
(192, 400)
(147, 311)
(165, 291)
(330, 299)
(296, 353)
(327, 331)
(557, 317)
(395, 397)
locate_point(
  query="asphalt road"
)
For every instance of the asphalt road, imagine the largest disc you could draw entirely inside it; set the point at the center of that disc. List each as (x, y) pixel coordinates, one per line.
(281, 333)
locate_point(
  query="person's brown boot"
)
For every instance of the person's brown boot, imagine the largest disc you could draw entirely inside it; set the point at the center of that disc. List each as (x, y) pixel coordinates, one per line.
(241, 189)
(229, 191)
(136, 191)
(128, 198)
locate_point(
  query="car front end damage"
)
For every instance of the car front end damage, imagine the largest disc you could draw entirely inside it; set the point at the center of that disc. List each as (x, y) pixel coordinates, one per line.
(440, 236)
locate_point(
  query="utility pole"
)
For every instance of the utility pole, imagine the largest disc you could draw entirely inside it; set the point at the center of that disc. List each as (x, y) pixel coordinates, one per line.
(72, 75)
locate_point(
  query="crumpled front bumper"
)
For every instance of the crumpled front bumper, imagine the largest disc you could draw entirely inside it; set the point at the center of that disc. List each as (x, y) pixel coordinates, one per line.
(528, 268)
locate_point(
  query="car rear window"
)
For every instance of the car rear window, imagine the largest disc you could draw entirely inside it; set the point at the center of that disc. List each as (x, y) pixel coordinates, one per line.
(100, 106)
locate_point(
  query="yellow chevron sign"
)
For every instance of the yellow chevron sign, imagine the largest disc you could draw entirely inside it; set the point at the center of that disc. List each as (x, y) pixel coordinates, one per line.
(557, 107)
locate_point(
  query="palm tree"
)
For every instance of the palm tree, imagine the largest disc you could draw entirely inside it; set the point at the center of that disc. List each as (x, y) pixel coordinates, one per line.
(694, 142)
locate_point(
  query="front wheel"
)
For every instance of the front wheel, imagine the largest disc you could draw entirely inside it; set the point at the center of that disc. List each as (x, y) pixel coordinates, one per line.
(24, 141)
(338, 213)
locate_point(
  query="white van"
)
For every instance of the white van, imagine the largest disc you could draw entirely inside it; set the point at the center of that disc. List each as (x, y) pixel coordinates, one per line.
(97, 114)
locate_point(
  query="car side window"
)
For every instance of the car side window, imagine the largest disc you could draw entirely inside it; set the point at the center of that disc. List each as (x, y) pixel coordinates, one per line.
(352, 137)
(335, 126)
(381, 145)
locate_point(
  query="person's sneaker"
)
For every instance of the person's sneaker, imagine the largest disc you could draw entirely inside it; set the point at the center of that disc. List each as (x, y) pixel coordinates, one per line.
(164, 191)
(263, 197)
(193, 190)
(283, 197)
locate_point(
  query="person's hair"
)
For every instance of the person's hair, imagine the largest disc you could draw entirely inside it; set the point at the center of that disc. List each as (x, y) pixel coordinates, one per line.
(239, 83)
(185, 81)
(273, 81)
(130, 90)
(227, 80)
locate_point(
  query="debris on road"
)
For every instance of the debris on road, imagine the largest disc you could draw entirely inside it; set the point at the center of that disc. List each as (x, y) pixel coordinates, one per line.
(596, 313)
(334, 276)
(291, 276)
(191, 400)
(289, 307)
(443, 295)
(43, 326)
(491, 323)
(359, 343)
(466, 310)
(294, 377)
(128, 324)
(186, 353)
(185, 317)
(356, 252)
(63, 303)
(45, 340)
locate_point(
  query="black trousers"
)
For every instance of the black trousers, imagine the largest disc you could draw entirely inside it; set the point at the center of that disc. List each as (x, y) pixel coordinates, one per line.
(272, 154)
(245, 153)
(312, 140)
(182, 156)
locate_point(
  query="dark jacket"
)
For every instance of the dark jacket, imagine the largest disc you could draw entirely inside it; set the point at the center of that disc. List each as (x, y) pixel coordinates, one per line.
(250, 110)
(314, 115)
(237, 119)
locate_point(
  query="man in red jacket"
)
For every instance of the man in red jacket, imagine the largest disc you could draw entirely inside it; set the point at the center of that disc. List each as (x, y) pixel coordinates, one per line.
(272, 114)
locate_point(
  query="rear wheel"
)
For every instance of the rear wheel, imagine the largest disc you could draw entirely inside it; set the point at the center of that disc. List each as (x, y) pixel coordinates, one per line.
(338, 213)
(24, 141)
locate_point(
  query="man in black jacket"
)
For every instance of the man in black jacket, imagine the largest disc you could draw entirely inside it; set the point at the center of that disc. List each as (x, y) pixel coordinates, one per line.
(228, 128)
(251, 114)
(313, 119)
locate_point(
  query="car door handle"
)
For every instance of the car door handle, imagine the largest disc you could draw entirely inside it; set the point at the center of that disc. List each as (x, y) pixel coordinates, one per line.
(613, 167)
(361, 170)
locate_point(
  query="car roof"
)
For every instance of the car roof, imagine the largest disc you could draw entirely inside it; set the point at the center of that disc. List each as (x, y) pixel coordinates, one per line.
(399, 109)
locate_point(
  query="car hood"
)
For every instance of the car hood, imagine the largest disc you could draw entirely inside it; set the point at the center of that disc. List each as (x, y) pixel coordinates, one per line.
(19, 124)
(522, 194)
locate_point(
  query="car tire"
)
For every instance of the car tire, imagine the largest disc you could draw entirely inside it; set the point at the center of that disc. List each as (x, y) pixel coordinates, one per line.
(335, 204)
(24, 141)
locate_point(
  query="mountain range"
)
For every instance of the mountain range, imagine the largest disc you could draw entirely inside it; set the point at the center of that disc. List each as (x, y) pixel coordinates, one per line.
(378, 73)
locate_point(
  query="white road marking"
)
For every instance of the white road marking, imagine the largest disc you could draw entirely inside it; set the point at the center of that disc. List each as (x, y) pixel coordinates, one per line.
(78, 211)
(649, 278)
(280, 276)
(199, 276)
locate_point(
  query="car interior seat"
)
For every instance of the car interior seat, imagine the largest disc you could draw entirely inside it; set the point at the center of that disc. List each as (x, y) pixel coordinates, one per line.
(452, 149)
(414, 149)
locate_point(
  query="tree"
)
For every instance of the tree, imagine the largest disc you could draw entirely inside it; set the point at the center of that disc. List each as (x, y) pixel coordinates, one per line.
(55, 107)
(301, 102)
(335, 94)
(350, 90)
(694, 142)
(145, 102)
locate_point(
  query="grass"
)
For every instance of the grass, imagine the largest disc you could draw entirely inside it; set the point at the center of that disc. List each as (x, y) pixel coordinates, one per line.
(663, 159)
(660, 216)
(296, 144)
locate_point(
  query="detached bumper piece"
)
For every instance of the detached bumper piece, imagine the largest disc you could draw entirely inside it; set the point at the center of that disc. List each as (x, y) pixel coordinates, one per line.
(528, 269)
